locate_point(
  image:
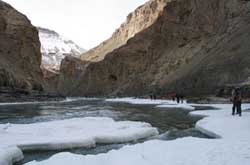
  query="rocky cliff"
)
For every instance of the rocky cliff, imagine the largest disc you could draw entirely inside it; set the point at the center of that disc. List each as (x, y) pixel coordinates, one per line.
(143, 17)
(195, 47)
(20, 56)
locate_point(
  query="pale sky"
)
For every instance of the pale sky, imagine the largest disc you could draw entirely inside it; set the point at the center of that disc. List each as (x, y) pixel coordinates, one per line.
(86, 22)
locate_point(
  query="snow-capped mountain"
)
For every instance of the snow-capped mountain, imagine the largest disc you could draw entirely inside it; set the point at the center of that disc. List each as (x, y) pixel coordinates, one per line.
(55, 47)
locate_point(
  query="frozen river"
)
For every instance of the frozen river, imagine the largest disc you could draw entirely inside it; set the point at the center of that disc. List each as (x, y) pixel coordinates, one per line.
(171, 123)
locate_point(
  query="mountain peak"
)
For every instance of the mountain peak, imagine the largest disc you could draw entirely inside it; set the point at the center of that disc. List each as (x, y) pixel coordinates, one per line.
(55, 47)
(48, 31)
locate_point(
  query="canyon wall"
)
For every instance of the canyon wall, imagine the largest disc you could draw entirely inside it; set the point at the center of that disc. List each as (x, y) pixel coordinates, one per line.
(194, 47)
(20, 56)
(143, 17)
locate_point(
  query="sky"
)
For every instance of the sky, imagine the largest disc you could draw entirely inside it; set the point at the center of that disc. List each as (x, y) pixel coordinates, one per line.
(86, 22)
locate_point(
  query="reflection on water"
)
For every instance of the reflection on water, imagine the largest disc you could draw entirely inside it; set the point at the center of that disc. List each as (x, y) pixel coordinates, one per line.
(163, 119)
(172, 123)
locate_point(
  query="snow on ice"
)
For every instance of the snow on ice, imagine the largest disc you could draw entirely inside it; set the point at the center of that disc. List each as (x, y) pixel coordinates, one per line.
(141, 101)
(78, 132)
(180, 106)
(160, 103)
(10, 155)
(232, 148)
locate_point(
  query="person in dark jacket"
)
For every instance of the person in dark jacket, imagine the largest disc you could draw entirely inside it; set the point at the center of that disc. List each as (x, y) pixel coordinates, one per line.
(154, 96)
(151, 96)
(178, 98)
(182, 98)
(237, 101)
(233, 101)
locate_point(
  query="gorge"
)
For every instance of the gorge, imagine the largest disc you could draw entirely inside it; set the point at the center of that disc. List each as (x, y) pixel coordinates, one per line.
(111, 105)
(194, 47)
(186, 46)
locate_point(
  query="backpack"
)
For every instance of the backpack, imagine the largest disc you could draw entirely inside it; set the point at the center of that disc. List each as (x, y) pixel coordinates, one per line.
(237, 95)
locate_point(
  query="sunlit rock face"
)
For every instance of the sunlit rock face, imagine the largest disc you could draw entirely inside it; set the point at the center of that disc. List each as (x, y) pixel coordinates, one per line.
(192, 47)
(140, 19)
(20, 56)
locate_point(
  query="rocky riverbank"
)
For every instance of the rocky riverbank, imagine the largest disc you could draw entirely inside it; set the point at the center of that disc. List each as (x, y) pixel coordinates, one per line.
(8, 95)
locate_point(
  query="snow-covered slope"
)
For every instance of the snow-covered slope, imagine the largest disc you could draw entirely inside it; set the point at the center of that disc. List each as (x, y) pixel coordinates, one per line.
(55, 47)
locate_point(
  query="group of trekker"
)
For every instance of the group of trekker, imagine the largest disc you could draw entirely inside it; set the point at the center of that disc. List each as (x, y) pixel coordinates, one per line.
(153, 96)
(179, 98)
(237, 100)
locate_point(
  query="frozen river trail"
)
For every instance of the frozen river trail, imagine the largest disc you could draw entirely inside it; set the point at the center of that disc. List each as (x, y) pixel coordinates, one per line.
(171, 122)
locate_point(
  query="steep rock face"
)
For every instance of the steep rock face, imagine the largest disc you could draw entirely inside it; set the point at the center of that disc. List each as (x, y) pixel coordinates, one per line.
(51, 77)
(55, 47)
(194, 47)
(20, 56)
(140, 19)
(70, 73)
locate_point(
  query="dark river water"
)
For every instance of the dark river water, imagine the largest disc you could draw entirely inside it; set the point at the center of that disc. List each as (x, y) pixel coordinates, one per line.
(171, 123)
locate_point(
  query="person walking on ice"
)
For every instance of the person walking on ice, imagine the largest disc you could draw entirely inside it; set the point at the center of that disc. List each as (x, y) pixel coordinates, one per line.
(237, 101)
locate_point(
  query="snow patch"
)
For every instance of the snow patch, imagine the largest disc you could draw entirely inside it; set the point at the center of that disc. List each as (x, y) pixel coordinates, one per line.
(10, 155)
(66, 134)
(55, 48)
(78, 132)
(181, 106)
(159, 102)
(232, 148)
(141, 101)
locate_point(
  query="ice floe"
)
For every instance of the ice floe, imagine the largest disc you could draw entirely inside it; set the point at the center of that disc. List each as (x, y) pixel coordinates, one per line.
(159, 102)
(65, 134)
(180, 106)
(232, 148)
(9, 155)
(140, 101)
